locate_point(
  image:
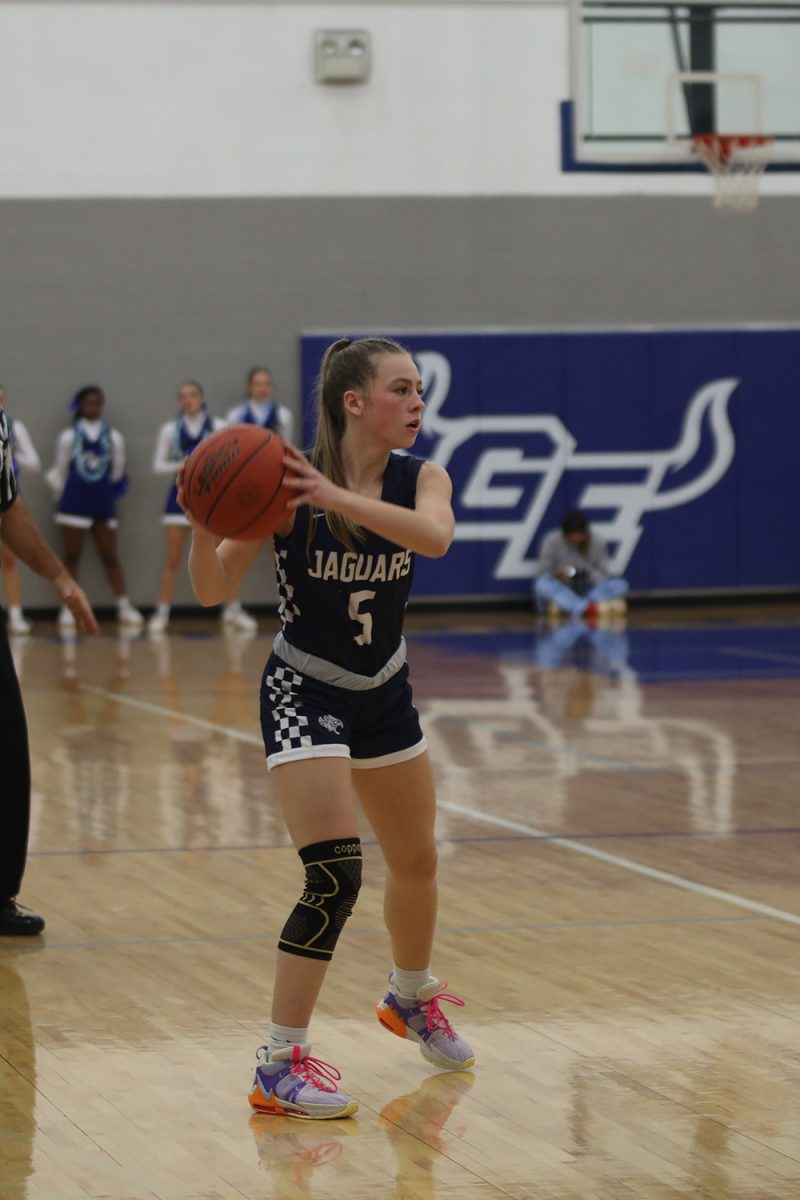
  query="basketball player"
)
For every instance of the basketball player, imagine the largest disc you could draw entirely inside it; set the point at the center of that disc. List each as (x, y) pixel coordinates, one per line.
(259, 408)
(337, 712)
(89, 475)
(176, 441)
(23, 454)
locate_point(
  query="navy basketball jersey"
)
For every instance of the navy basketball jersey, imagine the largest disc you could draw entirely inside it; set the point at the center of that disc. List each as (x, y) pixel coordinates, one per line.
(347, 606)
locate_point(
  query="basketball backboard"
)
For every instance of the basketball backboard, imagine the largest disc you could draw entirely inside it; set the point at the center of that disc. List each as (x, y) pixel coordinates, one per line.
(648, 77)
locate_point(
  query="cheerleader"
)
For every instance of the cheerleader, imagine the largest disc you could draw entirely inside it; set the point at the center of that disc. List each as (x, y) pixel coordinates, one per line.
(89, 475)
(258, 409)
(24, 457)
(176, 440)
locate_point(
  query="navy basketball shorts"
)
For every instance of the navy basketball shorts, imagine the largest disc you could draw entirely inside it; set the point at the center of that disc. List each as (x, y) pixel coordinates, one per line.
(302, 717)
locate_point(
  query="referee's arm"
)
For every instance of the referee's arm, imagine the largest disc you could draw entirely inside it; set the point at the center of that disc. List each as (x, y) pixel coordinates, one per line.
(20, 533)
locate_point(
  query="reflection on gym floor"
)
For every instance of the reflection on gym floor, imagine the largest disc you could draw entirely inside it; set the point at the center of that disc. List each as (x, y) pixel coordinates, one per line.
(618, 906)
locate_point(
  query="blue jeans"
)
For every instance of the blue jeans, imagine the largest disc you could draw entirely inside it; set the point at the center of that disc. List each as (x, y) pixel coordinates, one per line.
(548, 590)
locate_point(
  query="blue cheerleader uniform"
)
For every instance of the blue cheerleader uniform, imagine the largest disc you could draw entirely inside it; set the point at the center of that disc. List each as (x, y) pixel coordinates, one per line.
(177, 439)
(276, 417)
(90, 492)
(182, 444)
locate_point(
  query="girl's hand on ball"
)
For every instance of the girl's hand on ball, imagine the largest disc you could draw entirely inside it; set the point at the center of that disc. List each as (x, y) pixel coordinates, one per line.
(309, 485)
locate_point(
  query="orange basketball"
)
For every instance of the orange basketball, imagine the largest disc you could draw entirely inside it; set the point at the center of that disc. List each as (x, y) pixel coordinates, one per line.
(233, 483)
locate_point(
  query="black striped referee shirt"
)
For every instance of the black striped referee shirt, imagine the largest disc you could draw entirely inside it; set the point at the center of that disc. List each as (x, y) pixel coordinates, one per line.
(8, 482)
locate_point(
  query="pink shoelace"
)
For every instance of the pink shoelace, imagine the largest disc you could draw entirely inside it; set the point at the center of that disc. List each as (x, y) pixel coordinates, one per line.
(434, 1016)
(313, 1070)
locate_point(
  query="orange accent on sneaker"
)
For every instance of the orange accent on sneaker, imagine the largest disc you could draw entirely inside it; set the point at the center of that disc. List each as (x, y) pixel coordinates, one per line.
(391, 1020)
(262, 1103)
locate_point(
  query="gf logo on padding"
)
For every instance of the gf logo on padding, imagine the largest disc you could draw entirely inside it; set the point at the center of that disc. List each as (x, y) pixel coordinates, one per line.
(627, 501)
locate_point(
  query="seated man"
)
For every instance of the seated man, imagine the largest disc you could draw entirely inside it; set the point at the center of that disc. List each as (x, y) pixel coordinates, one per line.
(574, 575)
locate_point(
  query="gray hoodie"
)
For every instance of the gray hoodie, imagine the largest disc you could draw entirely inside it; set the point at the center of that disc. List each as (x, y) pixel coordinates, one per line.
(557, 552)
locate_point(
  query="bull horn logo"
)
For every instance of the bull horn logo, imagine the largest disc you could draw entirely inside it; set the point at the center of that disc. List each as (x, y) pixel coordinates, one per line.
(628, 501)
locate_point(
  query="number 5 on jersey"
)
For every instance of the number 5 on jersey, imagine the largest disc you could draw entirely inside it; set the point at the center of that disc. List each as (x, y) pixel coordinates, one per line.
(364, 618)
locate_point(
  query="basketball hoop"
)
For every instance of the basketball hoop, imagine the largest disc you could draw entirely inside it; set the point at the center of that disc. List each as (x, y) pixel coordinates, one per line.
(736, 162)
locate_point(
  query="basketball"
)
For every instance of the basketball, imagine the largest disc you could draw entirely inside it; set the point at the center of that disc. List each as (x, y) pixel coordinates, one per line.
(233, 483)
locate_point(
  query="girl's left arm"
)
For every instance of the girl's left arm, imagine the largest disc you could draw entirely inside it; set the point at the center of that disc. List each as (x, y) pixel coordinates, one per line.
(426, 529)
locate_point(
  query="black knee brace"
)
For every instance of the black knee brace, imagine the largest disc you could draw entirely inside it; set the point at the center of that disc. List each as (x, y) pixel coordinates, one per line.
(333, 879)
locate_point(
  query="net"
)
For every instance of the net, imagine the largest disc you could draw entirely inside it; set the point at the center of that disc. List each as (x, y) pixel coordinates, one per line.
(736, 163)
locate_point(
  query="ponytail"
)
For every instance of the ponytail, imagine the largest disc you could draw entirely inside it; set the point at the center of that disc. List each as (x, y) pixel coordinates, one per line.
(346, 365)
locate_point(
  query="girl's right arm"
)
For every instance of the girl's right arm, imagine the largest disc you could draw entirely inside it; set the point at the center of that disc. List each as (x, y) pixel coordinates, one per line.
(216, 568)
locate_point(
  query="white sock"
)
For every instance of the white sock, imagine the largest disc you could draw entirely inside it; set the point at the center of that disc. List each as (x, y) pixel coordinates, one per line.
(408, 983)
(122, 601)
(15, 610)
(163, 610)
(281, 1036)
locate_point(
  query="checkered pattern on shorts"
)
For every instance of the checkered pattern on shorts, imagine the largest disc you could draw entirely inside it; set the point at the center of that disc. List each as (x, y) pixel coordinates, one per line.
(304, 717)
(287, 609)
(283, 684)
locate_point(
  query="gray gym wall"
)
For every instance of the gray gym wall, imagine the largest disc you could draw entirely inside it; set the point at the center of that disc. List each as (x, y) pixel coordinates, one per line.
(138, 294)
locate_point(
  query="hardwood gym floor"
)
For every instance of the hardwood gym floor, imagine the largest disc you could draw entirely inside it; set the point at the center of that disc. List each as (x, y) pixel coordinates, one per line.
(620, 909)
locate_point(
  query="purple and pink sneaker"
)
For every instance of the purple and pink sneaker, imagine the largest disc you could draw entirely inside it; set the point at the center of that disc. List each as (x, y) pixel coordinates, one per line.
(290, 1082)
(421, 1019)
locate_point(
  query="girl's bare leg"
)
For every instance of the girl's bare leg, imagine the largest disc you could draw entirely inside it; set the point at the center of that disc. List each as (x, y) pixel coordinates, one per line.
(318, 805)
(400, 804)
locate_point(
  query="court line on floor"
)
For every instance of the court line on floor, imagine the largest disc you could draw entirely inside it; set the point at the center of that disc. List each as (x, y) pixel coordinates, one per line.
(502, 734)
(442, 930)
(159, 711)
(253, 740)
(626, 864)
(248, 848)
(614, 860)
